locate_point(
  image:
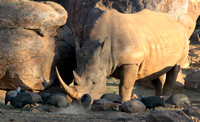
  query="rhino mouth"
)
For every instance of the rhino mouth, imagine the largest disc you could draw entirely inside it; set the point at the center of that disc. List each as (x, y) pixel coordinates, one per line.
(70, 90)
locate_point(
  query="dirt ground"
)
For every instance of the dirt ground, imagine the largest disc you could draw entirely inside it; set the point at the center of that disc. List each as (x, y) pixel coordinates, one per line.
(79, 114)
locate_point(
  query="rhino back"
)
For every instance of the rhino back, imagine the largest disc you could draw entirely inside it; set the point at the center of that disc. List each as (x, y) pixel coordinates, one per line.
(152, 40)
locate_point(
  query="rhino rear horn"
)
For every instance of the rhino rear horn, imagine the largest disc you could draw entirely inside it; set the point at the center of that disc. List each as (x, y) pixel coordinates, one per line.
(77, 79)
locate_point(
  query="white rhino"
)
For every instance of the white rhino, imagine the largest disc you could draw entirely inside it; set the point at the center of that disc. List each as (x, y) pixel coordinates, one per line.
(131, 47)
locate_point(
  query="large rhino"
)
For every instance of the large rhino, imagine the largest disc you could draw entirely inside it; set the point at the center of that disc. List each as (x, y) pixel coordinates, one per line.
(140, 46)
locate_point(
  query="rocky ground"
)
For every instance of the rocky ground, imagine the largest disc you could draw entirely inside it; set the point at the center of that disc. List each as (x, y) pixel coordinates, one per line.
(78, 113)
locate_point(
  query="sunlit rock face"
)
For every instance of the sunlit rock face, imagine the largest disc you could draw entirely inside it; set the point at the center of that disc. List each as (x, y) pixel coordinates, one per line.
(27, 43)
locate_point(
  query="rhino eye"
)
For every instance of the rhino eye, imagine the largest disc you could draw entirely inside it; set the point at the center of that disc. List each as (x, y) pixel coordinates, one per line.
(93, 83)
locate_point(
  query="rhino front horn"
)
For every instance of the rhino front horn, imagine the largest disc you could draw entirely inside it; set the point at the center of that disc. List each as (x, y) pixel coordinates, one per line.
(72, 93)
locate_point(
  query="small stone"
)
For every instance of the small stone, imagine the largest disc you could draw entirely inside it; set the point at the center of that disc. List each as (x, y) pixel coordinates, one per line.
(132, 106)
(112, 97)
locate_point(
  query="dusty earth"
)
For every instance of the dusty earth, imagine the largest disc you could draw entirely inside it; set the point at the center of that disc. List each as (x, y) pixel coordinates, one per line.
(77, 113)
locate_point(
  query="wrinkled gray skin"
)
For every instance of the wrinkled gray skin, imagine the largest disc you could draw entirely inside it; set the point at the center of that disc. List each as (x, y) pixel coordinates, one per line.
(130, 48)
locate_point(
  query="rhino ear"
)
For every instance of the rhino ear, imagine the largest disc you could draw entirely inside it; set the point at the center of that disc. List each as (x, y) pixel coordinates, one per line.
(104, 45)
(76, 41)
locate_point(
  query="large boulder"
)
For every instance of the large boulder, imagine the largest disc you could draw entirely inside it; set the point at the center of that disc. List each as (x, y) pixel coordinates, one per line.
(192, 81)
(83, 11)
(27, 43)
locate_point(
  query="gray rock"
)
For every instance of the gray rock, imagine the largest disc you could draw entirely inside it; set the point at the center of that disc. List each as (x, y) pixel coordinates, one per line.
(192, 81)
(164, 116)
(103, 105)
(132, 106)
(112, 97)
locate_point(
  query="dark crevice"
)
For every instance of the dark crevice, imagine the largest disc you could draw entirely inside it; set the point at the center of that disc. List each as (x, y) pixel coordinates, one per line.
(38, 31)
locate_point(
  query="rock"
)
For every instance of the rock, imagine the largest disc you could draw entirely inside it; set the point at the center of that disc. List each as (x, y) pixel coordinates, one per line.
(47, 108)
(78, 10)
(192, 111)
(112, 97)
(43, 18)
(103, 105)
(192, 81)
(57, 99)
(27, 43)
(164, 116)
(132, 106)
(178, 99)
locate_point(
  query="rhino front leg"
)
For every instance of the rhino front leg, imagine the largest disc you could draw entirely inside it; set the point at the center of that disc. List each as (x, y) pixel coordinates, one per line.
(128, 75)
(158, 85)
(170, 81)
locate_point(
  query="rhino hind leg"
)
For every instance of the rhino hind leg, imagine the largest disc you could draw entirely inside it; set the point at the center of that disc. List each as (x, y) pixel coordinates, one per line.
(170, 81)
(128, 75)
(158, 85)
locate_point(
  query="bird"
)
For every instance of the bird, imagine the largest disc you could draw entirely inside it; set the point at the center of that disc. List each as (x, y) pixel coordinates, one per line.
(44, 96)
(57, 99)
(10, 95)
(25, 98)
(19, 90)
(178, 99)
(152, 101)
(86, 100)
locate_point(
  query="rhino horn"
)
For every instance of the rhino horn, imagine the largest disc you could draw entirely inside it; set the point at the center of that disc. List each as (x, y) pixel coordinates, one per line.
(77, 79)
(72, 93)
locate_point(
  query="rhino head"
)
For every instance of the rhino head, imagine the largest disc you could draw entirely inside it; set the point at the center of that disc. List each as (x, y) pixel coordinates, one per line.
(91, 71)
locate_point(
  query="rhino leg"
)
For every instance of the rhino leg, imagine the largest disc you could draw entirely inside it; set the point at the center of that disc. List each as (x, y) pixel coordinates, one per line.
(170, 80)
(158, 85)
(128, 75)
